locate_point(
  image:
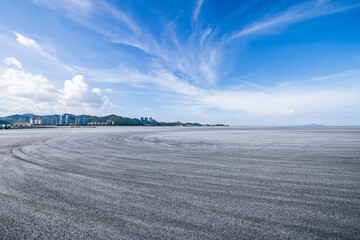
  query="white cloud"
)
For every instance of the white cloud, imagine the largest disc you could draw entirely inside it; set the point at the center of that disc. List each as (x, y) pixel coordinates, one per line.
(279, 102)
(26, 41)
(39, 49)
(300, 12)
(185, 66)
(286, 99)
(97, 91)
(13, 61)
(83, 5)
(77, 92)
(290, 111)
(15, 83)
(109, 103)
(196, 58)
(197, 9)
(22, 92)
(123, 17)
(159, 78)
(70, 6)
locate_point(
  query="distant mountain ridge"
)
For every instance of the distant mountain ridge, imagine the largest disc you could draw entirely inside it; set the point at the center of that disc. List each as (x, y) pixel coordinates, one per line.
(118, 120)
(24, 117)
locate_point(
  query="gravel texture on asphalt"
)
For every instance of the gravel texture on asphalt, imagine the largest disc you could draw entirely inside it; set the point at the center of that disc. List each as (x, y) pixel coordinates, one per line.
(180, 183)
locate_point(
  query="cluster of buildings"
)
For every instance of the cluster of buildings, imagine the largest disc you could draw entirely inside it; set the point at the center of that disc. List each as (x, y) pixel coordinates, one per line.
(62, 120)
(71, 120)
(80, 121)
(107, 123)
(148, 121)
(44, 121)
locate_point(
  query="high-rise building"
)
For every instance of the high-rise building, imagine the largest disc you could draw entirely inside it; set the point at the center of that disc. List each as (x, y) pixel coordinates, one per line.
(148, 121)
(67, 119)
(48, 120)
(80, 121)
(61, 120)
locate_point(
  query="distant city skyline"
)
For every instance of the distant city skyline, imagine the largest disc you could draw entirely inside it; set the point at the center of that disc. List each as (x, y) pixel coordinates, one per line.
(231, 62)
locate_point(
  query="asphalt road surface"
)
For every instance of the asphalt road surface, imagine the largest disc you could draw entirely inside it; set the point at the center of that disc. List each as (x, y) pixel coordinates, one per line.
(180, 183)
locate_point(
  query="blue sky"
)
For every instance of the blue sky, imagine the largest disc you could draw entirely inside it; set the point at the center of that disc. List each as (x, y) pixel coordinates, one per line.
(233, 62)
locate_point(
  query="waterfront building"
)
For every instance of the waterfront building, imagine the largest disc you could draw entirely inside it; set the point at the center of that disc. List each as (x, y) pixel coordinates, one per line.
(148, 121)
(38, 121)
(80, 121)
(61, 120)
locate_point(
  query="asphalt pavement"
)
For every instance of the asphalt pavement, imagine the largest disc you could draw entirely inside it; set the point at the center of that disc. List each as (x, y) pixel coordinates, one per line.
(180, 183)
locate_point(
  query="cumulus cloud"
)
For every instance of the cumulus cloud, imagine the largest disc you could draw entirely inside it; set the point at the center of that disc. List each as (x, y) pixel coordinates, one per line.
(24, 92)
(19, 84)
(21, 91)
(97, 91)
(76, 92)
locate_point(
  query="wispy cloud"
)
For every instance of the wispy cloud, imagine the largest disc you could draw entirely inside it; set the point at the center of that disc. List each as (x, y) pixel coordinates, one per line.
(13, 61)
(83, 7)
(294, 14)
(187, 67)
(197, 10)
(280, 102)
(26, 41)
(284, 99)
(122, 17)
(183, 68)
(195, 58)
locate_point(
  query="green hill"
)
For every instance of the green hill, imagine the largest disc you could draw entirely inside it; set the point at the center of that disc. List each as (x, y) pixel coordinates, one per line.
(4, 122)
(118, 120)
